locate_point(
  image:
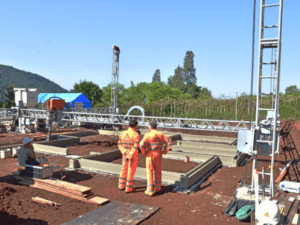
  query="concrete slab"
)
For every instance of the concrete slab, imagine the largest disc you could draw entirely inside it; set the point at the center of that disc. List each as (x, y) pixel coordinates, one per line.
(216, 151)
(203, 145)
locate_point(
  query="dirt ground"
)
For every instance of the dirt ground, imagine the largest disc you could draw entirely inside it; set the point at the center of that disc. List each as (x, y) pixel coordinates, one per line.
(202, 207)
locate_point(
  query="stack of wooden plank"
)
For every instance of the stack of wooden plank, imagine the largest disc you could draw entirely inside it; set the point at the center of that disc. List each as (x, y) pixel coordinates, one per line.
(75, 191)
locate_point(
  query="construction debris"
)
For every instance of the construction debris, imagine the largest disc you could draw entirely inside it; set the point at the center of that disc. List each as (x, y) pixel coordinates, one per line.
(44, 201)
(283, 172)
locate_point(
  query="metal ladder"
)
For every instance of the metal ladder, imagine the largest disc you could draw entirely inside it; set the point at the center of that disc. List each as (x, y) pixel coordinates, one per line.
(267, 132)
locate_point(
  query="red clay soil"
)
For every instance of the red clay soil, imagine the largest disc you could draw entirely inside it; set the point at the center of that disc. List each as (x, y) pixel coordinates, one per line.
(203, 207)
(11, 139)
(94, 143)
(170, 165)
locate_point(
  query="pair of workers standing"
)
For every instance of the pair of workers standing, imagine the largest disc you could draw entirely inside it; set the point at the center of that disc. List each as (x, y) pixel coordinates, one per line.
(152, 145)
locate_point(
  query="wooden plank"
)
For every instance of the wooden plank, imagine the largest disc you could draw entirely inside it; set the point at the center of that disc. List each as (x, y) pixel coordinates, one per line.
(44, 201)
(67, 185)
(292, 212)
(32, 181)
(63, 193)
(98, 200)
(295, 219)
(60, 184)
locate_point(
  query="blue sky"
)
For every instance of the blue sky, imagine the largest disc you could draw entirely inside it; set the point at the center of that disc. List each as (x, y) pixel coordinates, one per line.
(69, 40)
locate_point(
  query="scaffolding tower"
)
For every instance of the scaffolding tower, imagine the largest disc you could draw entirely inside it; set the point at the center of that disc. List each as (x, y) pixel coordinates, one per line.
(267, 131)
(115, 80)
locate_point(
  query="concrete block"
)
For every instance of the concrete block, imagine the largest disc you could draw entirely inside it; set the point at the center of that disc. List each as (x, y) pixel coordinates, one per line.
(50, 149)
(14, 151)
(5, 154)
(74, 163)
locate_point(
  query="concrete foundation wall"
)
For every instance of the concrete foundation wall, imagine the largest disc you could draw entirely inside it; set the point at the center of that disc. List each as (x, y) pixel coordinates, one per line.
(220, 152)
(198, 172)
(50, 149)
(60, 140)
(184, 180)
(82, 134)
(104, 156)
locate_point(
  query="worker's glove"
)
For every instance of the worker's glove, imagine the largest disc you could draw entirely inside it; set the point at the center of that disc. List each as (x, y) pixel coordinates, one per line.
(139, 150)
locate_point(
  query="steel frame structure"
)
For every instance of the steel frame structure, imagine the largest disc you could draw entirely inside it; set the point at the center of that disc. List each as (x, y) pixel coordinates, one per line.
(114, 80)
(166, 122)
(266, 141)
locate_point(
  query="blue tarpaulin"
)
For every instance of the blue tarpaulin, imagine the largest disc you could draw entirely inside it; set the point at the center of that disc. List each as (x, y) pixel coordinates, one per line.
(70, 98)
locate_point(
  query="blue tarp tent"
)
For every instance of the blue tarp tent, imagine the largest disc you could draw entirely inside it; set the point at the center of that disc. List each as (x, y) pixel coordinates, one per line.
(70, 98)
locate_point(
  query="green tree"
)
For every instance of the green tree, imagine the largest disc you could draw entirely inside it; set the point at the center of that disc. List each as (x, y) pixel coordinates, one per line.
(106, 96)
(156, 76)
(204, 92)
(189, 71)
(291, 89)
(91, 90)
(177, 81)
(10, 95)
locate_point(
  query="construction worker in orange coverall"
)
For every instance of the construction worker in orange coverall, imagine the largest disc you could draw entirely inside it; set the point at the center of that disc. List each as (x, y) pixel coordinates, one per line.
(152, 144)
(129, 145)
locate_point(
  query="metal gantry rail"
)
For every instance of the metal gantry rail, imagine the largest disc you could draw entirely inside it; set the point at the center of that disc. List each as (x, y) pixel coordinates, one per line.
(165, 122)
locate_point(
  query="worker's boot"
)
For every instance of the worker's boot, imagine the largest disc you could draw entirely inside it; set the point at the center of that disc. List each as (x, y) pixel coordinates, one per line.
(157, 189)
(149, 193)
(129, 186)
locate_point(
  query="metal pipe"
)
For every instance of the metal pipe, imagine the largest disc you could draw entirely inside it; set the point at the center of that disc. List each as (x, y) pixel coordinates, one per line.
(263, 183)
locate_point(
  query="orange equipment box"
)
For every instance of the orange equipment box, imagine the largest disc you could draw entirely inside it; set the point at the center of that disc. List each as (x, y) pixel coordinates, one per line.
(55, 104)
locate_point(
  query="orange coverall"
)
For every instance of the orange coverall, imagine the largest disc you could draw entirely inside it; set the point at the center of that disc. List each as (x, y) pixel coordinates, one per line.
(129, 141)
(152, 144)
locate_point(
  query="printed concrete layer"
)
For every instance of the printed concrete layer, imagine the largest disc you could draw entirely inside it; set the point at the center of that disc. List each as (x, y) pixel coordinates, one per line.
(174, 136)
(103, 156)
(60, 140)
(106, 167)
(193, 144)
(198, 172)
(215, 151)
(184, 136)
(50, 149)
(206, 138)
(82, 133)
(225, 160)
(95, 162)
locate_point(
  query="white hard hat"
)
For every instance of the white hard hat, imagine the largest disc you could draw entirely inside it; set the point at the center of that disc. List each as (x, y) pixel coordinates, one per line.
(26, 141)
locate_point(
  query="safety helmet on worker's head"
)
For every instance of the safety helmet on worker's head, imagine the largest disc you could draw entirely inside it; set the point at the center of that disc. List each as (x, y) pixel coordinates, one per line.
(26, 141)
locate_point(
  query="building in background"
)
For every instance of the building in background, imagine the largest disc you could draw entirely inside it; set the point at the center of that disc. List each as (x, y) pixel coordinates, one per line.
(75, 100)
(29, 96)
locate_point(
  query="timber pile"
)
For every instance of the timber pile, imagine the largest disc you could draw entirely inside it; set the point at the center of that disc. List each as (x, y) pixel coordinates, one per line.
(75, 191)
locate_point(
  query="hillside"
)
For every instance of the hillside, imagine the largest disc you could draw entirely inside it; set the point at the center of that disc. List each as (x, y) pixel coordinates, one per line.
(23, 79)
